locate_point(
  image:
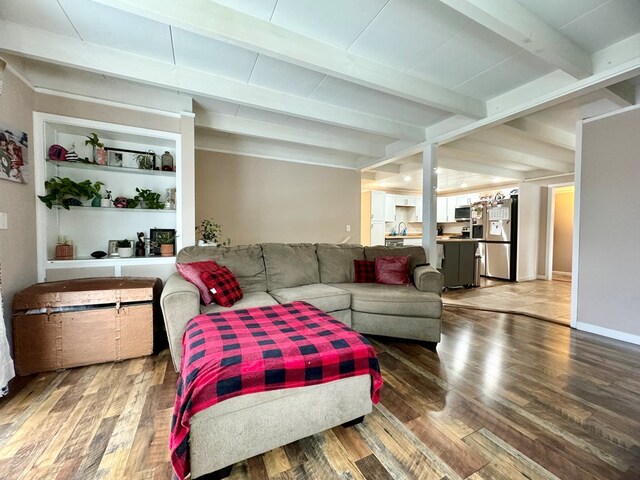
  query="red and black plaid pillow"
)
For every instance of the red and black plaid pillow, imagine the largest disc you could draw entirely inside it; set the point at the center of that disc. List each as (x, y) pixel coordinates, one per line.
(365, 271)
(192, 272)
(223, 285)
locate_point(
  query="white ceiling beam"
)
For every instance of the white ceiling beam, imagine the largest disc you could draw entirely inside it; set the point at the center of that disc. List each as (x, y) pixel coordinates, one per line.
(450, 163)
(388, 168)
(61, 50)
(457, 154)
(410, 168)
(216, 21)
(514, 22)
(254, 147)
(254, 128)
(510, 139)
(508, 155)
(540, 131)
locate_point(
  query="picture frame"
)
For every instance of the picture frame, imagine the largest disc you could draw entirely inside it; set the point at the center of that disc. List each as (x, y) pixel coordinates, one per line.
(155, 233)
(119, 157)
(112, 249)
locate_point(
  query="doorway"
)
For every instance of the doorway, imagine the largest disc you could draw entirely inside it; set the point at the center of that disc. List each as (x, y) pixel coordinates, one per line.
(560, 232)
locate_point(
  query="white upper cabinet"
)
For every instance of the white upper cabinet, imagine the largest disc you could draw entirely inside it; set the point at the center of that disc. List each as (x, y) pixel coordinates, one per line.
(389, 208)
(418, 217)
(441, 209)
(405, 201)
(377, 206)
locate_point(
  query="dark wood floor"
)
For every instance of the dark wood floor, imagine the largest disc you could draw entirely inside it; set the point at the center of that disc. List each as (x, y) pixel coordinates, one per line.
(504, 397)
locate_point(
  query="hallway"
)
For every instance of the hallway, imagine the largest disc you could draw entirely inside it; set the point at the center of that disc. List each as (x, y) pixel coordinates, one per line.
(547, 300)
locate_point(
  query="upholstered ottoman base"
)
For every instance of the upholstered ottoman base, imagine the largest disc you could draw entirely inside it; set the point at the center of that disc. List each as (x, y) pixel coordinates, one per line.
(248, 425)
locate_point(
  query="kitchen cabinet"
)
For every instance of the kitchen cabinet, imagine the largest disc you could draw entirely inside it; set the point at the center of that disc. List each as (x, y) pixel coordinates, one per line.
(377, 233)
(405, 201)
(92, 228)
(389, 208)
(441, 209)
(458, 263)
(377, 206)
(418, 217)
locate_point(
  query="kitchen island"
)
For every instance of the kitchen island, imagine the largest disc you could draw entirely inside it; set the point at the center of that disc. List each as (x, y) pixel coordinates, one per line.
(458, 264)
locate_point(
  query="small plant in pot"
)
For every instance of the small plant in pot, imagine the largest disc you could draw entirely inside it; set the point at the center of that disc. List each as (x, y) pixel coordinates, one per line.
(64, 192)
(148, 199)
(99, 153)
(166, 242)
(107, 199)
(125, 250)
(209, 232)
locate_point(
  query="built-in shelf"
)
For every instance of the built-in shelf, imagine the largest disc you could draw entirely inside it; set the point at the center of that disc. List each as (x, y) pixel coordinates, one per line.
(107, 168)
(109, 262)
(120, 210)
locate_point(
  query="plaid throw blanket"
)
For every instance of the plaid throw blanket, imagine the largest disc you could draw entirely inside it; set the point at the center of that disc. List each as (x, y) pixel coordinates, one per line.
(245, 351)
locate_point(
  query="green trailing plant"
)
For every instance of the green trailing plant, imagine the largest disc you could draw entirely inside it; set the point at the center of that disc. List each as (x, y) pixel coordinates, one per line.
(150, 198)
(132, 202)
(94, 141)
(210, 231)
(65, 192)
(123, 243)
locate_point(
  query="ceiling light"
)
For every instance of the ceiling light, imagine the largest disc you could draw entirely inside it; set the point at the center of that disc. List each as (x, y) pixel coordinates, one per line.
(463, 185)
(494, 179)
(437, 170)
(407, 178)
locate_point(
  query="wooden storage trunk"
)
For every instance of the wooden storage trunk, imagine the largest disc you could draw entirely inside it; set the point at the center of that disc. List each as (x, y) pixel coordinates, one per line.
(81, 322)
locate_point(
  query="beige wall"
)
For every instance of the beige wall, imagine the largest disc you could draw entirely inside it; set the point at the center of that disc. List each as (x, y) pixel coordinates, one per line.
(563, 229)
(18, 242)
(608, 201)
(258, 200)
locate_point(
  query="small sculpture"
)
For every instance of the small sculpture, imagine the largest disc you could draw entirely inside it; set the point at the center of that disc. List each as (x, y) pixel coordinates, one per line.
(140, 245)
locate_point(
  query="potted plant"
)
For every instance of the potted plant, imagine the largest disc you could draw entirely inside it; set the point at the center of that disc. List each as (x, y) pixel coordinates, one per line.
(209, 231)
(165, 239)
(65, 193)
(125, 250)
(148, 199)
(99, 153)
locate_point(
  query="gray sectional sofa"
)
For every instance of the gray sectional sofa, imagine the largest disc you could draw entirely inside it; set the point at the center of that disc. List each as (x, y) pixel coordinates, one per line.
(320, 274)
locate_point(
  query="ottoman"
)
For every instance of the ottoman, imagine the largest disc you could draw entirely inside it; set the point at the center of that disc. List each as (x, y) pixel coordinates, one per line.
(259, 378)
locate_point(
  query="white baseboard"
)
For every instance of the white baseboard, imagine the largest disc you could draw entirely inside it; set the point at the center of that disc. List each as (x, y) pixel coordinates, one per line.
(607, 332)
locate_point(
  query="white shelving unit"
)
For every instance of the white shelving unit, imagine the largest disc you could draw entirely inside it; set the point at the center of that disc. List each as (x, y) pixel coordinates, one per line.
(90, 228)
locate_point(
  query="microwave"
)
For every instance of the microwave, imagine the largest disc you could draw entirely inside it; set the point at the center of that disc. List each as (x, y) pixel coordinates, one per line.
(463, 213)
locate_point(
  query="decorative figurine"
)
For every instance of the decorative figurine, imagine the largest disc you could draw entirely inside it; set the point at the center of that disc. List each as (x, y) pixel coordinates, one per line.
(140, 250)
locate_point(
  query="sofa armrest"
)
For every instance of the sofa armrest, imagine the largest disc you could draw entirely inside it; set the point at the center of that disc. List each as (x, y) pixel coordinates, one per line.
(428, 279)
(180, 302)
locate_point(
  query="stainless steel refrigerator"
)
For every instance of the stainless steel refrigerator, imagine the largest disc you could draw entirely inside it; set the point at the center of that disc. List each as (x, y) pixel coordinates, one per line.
(497, 234)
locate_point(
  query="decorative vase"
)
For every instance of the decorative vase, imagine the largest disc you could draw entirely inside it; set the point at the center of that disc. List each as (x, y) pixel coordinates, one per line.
(100, 155)
(97, 201)
(105, 202)
(167, 161)
(125, 252)
(166, 250)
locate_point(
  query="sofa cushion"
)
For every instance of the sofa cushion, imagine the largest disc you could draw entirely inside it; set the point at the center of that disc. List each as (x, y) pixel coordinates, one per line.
(392, 270)
(365, 271)
(249, 300)
(416, 254)
(336, 261)
(290, 265)
(245, 261)
(192, 272)
(223, 285)
(403, 300)
(324, 297)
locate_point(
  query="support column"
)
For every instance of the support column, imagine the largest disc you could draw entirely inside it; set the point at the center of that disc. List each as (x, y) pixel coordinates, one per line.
(429, 201)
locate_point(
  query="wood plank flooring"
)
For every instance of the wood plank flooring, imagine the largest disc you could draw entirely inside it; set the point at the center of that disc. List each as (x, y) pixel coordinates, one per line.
(503, 397)
(546, 300)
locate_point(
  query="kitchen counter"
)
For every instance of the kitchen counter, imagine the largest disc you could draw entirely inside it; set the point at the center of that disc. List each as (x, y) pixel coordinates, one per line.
(415, 235)
(455, 240)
